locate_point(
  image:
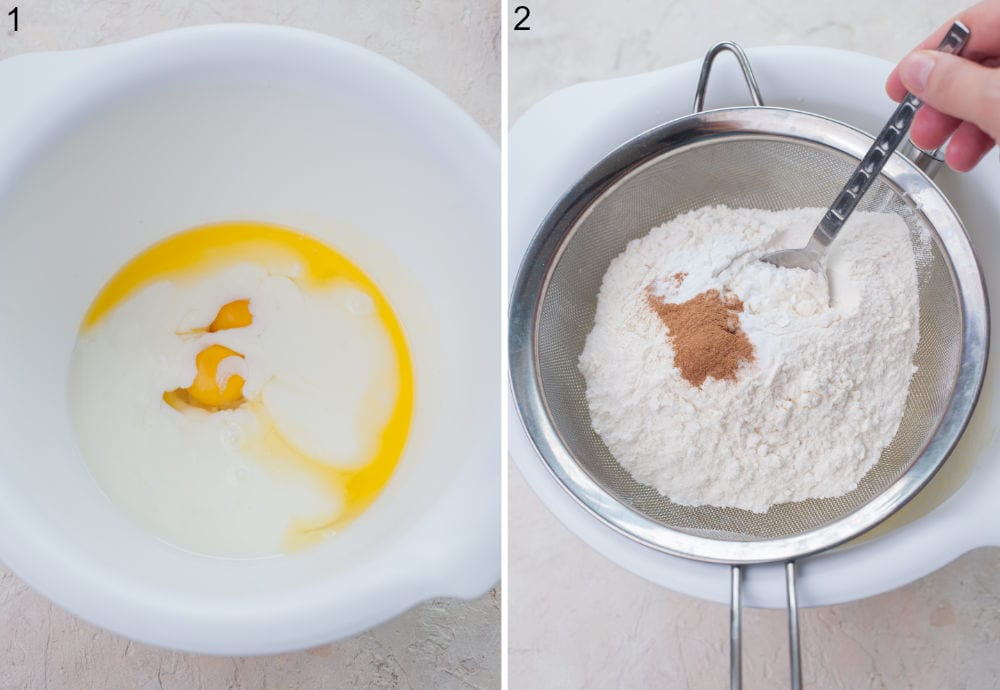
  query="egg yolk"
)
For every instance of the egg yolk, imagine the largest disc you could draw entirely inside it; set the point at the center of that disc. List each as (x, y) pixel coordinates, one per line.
(207, 389)
(233, 315)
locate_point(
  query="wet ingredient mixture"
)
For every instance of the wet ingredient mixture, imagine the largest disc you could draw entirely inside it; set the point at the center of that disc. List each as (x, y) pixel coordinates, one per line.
(241, 389)
(721, 380)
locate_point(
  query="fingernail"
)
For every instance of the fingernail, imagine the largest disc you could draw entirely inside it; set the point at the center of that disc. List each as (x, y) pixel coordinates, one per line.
(915, 71)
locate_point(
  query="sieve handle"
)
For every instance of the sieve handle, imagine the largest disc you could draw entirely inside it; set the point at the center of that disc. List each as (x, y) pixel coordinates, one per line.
(706, 71)
(794, 650)
(928, 161)
(735, 643)
(735, 634)
(880, 152)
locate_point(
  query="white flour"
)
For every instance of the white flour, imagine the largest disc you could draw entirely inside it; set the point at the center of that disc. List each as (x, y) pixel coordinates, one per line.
(825, 393)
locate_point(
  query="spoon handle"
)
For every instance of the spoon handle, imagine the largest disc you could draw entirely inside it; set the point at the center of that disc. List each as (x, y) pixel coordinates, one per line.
(885, 143)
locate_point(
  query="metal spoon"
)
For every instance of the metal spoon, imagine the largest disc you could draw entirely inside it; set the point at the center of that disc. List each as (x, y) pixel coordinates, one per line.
(812, 256)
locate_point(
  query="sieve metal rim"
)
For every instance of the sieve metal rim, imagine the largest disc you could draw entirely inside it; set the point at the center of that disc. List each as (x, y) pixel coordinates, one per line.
(673, 137)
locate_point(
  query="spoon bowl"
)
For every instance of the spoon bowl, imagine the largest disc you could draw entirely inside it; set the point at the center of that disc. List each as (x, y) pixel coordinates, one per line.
(808, 258)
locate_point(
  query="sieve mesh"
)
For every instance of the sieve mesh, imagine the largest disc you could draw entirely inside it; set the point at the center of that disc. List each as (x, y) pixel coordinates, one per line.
(754, 171)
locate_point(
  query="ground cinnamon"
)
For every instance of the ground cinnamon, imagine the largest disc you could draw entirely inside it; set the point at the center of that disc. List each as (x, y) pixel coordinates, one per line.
(706, 335)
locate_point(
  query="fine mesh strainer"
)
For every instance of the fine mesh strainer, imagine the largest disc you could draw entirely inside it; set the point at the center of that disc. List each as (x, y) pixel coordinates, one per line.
(756, 157)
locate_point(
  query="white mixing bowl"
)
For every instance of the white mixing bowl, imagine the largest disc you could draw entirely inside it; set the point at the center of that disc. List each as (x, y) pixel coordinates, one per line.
(562, 137)
(108, 150)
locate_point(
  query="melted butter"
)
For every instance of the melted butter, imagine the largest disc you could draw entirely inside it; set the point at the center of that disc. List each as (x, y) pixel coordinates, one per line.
(356, 487)
(194, 253)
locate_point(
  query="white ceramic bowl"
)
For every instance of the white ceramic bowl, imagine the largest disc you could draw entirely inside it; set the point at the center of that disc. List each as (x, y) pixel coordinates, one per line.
(105, 151)
(562, 137)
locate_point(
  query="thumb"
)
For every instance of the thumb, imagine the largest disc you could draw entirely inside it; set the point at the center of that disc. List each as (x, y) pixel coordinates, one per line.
(955, 86)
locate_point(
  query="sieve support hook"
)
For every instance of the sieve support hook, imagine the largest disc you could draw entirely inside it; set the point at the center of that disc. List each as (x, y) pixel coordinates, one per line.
(706, 70)
(735, 632)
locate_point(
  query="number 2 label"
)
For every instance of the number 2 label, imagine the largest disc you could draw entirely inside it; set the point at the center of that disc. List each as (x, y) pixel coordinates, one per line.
(521, 26)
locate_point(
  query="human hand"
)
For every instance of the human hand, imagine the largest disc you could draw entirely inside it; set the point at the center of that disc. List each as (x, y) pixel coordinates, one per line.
(961, 94)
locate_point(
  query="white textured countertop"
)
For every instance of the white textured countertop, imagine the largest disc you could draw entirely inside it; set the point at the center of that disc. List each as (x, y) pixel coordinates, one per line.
(579, 621)
(454, 44)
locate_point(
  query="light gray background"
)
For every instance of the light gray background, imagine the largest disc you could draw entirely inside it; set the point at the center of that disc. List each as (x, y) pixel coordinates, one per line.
(579, 621)
(455, 45)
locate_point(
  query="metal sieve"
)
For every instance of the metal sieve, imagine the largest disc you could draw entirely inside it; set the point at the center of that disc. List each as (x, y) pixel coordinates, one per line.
(755, 157)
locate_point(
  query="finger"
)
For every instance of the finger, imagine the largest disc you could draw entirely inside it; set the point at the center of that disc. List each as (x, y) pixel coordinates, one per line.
(955, 86)
(984, 40)
(967, 147)
(931, 128)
